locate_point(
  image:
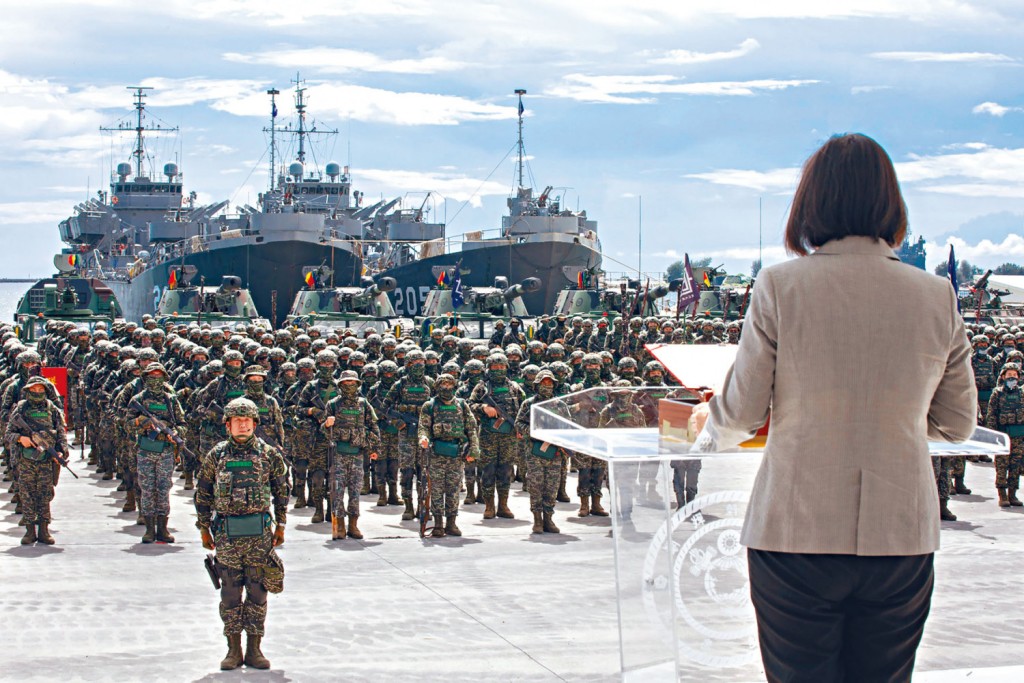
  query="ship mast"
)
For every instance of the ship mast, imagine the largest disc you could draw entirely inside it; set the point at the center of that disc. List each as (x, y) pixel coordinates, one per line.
(140, 108)
(300, 107)
(520, 92)
(273, 129)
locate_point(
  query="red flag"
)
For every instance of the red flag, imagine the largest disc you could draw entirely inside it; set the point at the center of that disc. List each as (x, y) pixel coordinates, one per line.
(172, 281)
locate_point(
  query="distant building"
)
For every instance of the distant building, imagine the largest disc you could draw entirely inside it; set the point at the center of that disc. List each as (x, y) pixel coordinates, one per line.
(912, 254)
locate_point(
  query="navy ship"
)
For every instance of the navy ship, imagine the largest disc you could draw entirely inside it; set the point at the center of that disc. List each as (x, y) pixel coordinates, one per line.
(134, 235)
(539, 238)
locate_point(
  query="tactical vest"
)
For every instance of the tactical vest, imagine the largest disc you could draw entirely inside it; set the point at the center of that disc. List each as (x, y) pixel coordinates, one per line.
(243, 483)
(448, 428)
(349, 426)
(504, 396)
(1010, 418)
(41, 417)
(148, 441)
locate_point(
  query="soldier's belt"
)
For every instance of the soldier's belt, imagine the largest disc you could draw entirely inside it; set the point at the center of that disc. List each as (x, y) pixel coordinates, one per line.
(151, 445)
(345, 448)
(34, 454)
(246, 526)
(448, 449)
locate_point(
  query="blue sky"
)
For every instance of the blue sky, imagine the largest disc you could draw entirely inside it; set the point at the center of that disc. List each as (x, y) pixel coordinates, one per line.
(700, 111)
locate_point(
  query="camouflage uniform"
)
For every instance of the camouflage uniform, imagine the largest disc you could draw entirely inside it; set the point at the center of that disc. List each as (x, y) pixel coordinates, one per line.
(312, 400)
(353, 432)
(621, 411)
(155, 450)
(472, 374)
(236, 486)
(36, 471)
(591, 471)
(1005, 412)
(407, 396)
(448, 424)
(386, 465)
(498, 439)
(543, 465)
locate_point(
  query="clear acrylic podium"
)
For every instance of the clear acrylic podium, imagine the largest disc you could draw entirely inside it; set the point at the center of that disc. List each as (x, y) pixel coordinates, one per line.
(681, 574)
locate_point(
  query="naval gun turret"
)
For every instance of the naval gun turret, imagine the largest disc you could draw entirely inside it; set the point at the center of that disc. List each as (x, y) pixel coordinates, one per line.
(481, 307)
(359, 308)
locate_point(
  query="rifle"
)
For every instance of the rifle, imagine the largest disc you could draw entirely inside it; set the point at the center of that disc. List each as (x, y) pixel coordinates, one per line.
(210, 562)
(424, 513)
(502, 415)
(159, 426)
(41, 441)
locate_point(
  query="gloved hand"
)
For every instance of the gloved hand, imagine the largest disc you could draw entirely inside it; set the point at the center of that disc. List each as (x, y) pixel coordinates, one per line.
(424, 442)
(329, 422)
(279, 535)
(207, 539)
(373, 456)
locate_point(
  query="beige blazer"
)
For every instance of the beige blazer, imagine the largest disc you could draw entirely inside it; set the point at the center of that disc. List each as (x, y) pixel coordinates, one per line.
(862, 359)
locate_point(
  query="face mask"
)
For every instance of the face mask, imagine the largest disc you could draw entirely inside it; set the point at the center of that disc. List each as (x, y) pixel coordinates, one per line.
(305, 375)
(416, 370)
(545, 391)
(32, 371)
(36, 397)
(654, 378)
(497, 375)
(232, 371)
(446, 393)
(254, 388)
(592, 372)
(198, 363)
(475, 377)
(154, 383)
(1011, 383)
(325, 372)
(349, 390)
(982, 351)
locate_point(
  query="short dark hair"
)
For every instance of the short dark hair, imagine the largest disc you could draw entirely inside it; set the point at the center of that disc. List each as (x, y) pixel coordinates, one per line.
(848, 187)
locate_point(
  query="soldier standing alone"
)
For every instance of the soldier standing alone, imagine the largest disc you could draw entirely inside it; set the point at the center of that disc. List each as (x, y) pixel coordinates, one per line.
(238, 482)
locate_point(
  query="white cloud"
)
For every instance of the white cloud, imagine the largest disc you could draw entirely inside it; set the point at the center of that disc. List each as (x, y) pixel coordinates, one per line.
(638, 89)
(691, 57)
(275, 13)
(333, 100)
(770, 254)
(976, 146)
(863, 89)
(985, 252)
(775, 180)
(960, 57)
(21, 213)
(341, 60)
(454, 186)
(994, 109)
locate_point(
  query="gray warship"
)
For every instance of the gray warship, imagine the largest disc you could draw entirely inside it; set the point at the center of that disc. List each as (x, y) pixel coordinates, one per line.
(537, 239)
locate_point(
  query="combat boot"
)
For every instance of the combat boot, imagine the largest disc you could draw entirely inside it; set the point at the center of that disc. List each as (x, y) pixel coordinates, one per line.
(365, 491)
(489, 509)
(479, 492)
(959, 488)
(129, 502)
(337, 528)
(1004, 502)
(1011, 495)
(328, 512)
(944, 514)
(408, 514)
(538, 522)
(353, 528)
(470, 494)
(549, 524)
(300, 498)
(107, 476)
(189, 483)
(595, 506)
(318, 511)
(140, 519)
(393, 494)
(254, 658)
(450, 528)
(233, 659)
(562, 496)
(30, 535)
(162, 534)
(584, 506)
(503, 510)
(382, 495)
(43, 535)
(438, 531)
(150, 534)
(92, 458)
(122, 486)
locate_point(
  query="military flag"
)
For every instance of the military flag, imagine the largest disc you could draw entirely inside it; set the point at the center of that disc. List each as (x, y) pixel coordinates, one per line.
(689, 290)
(310, 280)
(172, 281)
(951, 274)
(457, 297)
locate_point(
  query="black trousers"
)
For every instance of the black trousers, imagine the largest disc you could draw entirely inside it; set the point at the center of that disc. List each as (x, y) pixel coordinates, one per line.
(826, 618)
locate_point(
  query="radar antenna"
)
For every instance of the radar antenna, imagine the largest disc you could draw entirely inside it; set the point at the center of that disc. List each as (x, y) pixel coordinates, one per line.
(140, 108)
(520, 92)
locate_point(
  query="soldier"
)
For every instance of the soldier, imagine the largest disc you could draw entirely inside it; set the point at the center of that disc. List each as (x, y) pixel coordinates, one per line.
(37, 473)
(386, 465)
(498, 336)
(351, 427)
(149, 408)
(406, 397)
(74, 361)
(472, 374)
(1006, 413)
(622, 412)
(515, 334)
(496, 401)
(588, 408)
(312, 404)
(446, 425)
(543, 461)
(707, 334)
(558, 330)
(239, 480)
(271, 425)
(300, 438)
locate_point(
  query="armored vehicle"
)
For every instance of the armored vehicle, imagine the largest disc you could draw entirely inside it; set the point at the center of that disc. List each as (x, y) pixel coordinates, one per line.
(224, 305)
(84, 301)
(481, 307)
(357, 308)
